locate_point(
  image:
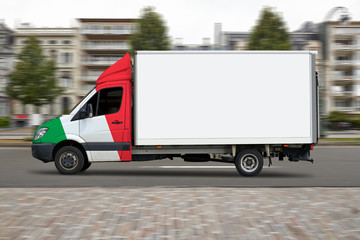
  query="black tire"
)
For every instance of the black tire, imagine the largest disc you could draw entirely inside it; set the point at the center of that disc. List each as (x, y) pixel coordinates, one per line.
(249, 162)
(69, 160)
(86, 166)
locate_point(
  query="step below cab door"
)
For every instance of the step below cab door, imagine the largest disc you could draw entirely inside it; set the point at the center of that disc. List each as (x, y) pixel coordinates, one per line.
(104, 130)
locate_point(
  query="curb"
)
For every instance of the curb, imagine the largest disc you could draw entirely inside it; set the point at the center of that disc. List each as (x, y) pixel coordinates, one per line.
(321, 144)
(9, 144)
(338, 143)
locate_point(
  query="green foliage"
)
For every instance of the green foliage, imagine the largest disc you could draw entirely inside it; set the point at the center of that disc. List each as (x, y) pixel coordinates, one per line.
(270, 33)
(355, 122)
(151, 32)
(5, 122)
(33, 80)
(337, 116)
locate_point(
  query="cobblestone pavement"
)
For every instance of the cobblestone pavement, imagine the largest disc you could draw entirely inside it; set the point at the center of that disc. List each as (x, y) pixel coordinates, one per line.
(180, 213)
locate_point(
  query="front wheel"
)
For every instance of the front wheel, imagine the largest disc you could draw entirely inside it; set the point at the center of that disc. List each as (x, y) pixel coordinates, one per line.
(249, 163)
(69, 160)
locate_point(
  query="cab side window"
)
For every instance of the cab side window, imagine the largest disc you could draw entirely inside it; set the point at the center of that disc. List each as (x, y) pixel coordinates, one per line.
(109, 101)
(105, 101)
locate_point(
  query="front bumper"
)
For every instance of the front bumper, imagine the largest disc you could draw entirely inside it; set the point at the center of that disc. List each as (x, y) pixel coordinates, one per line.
(43, 151)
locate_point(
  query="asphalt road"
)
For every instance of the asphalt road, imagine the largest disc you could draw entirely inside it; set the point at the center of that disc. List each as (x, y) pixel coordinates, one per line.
(333, 167)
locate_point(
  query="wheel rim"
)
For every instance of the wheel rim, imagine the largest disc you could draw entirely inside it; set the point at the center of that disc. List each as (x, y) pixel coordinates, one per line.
(68, 160)
(249, 163)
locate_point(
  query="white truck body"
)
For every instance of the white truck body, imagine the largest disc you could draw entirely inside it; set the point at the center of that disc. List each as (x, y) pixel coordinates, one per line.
(225, 97)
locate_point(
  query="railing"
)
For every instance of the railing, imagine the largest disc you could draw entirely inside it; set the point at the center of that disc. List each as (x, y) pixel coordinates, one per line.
(47, 30)
(343, 78)
(343, 109)
(86, 88)
(105, 46)
(347, 31)
(344, 47)
(98, 63)
(106, 31)
(344, 62)
(90, 77)
(344, 94)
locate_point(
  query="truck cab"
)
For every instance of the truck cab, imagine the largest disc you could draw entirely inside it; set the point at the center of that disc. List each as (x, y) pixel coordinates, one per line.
(97, 129)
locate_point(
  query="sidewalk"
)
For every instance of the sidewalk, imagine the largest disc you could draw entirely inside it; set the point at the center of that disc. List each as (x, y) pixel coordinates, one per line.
(180, 213)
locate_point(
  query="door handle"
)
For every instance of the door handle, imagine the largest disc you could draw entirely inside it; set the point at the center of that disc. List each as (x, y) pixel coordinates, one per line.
(117, 122)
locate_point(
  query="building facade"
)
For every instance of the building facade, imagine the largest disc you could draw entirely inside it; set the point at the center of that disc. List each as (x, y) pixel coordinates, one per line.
(102, 43)
(341, 42)
(61, 45)
(6, 63)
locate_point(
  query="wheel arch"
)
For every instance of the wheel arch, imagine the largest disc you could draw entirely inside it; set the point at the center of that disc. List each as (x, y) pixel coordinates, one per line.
(69, 143)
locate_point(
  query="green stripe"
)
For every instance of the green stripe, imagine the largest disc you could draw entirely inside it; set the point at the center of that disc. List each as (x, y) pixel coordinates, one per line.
(54, 134)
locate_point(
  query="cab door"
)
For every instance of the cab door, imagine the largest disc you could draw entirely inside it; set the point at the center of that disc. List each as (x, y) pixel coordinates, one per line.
(104, 131)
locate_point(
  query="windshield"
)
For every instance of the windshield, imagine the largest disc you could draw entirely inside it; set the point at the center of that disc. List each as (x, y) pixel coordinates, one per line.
(81, 100)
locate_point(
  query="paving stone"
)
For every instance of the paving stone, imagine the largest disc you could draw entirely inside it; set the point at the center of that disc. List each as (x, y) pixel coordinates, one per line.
(180, 213)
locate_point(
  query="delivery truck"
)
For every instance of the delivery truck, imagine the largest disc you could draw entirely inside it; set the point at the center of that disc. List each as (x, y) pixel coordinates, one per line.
(238, 107)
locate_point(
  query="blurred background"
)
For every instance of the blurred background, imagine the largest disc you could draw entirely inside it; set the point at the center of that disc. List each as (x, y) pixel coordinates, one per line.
(45, 71)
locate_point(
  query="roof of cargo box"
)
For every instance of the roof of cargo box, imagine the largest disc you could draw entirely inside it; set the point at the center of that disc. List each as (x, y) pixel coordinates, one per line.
(118, 72)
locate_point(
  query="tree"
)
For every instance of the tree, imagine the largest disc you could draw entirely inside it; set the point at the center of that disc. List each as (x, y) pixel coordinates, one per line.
(151, 32)
(269, 33)
(33, 80)
(337, 116)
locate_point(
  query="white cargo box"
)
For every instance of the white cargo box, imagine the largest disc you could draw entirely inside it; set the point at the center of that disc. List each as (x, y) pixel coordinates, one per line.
(225, 97)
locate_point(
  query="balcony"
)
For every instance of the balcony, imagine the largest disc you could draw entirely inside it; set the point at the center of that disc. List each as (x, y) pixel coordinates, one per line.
(344, 47)
(97, 63)
(346, 31)
(343, 80)
(343, 109)
(106, 32)
(343, 94)
(344, 63)
(90, 78)
(106, 46)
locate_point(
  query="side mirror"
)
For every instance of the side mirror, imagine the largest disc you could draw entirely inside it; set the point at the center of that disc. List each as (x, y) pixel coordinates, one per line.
(86, 112)
(89, 110)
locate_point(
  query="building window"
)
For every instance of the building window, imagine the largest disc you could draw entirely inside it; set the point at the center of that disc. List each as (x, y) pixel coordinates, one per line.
(342, 103)
(65, 80)
(357, 73)
(52, 42)
(357, 57)
(53, 55)
(357, 105)
(66, 42)
(66, 58)
(357, 90)
(2, 64)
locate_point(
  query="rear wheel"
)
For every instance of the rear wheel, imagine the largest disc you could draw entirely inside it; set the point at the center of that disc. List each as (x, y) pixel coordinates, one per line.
(249, 162)
(69, 160)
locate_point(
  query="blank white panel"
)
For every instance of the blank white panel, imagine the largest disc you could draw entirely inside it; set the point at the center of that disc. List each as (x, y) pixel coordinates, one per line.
(229, 97)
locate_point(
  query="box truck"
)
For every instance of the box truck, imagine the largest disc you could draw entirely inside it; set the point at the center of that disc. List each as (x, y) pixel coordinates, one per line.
(239, 107)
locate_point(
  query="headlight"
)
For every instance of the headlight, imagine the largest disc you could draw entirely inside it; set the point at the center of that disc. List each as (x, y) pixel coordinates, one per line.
(40, 133)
